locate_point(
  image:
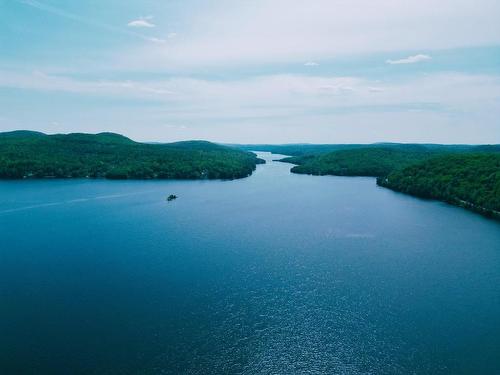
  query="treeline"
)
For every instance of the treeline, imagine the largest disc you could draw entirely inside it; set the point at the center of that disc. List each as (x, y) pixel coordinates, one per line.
(305, 149)
(358, 162)
(25, 154)
(299, 149)
(468, 180)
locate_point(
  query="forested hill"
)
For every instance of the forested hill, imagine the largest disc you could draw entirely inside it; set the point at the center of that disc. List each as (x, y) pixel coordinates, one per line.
(305, 149)
(377, 159)
(468, 180)
(358, 162)
(27, 154)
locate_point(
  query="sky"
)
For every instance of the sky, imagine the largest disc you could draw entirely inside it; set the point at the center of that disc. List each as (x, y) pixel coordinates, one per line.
(260, 71)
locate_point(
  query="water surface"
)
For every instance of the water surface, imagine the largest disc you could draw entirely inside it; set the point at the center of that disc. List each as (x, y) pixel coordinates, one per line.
(276, 273)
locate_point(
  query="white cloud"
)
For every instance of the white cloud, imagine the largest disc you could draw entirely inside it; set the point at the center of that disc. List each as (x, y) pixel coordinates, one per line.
(289, 107)
(410, 60)
(274, 31)
(234, 32)
(142, 22)
(311, 63)
(162, 41)
(157, 40)
(278, 92)
(77, 18)
(40, 81)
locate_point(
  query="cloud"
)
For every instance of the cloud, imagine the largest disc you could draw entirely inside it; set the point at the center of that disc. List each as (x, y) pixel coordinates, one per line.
(232, 33)
(410, 60)
(283, 107)
(279, 92)
(311, 63)
(157, 40)
(142, 22)
(40, 81)
(162, 41)
(227, 33)
(76, 18)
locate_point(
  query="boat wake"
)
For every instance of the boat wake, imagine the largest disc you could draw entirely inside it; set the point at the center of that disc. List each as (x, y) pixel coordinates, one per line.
(72, 201)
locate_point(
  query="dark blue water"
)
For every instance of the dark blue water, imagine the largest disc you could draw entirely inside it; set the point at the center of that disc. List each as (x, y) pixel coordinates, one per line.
(273, 274)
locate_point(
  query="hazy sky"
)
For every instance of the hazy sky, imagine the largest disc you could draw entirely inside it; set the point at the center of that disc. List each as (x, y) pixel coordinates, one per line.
(270, 71)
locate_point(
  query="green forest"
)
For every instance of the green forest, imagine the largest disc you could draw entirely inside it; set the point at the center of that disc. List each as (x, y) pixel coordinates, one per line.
(26, 154)
(357, 162)
(468, 180)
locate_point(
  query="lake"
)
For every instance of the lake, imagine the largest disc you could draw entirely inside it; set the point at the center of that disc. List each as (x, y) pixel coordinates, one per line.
(272, 274)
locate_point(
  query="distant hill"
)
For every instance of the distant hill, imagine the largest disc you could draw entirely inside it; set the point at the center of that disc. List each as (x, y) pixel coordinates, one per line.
(27, 154)
(298, 149)
(316, 149)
